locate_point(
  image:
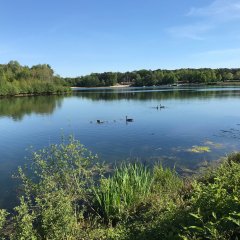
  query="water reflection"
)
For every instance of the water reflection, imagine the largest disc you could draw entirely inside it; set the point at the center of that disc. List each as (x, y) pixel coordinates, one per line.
(17, 107)
(156, 94)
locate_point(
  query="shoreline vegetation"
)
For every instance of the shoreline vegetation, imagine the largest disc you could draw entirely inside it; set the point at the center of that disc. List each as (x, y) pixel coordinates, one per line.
(18, 80)
(114, 86)
(226, 83)
(159, 77)
(66, 193)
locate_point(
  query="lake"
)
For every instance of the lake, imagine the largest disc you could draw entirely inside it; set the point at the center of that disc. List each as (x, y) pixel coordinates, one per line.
(197, 125)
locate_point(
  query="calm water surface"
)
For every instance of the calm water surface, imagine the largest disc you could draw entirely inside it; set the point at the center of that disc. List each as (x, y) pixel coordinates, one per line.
(208, 117)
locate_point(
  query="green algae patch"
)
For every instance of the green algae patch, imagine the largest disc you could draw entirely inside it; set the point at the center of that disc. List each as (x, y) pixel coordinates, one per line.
(213, 144)
(199, 149)
(193, 149)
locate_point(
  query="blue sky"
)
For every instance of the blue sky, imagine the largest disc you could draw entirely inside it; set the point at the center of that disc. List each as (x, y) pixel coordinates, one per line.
(78, 37)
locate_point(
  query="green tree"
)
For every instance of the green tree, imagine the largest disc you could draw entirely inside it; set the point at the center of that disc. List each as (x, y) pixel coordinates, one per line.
(227, 76)
(237, 75)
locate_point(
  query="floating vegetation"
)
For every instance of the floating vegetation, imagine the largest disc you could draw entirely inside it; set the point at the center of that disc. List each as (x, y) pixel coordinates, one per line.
(193, 149)
(206, 147)
(213, 144)
(199, 149)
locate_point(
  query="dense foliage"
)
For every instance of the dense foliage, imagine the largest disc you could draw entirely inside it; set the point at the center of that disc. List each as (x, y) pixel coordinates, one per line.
(70, 195)
(156, 77)
(40, 79)
(16, 79)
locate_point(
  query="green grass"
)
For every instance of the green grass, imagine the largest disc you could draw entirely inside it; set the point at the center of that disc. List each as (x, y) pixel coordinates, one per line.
(119, 194)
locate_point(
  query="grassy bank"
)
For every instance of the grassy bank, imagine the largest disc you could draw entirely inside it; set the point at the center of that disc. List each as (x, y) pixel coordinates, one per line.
(70, 195)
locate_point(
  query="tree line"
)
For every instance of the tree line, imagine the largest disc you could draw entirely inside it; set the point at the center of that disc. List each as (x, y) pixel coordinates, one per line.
(17, 79)
(40, 79)
(156, 77)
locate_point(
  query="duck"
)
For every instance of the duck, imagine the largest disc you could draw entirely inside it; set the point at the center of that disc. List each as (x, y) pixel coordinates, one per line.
(161, 106)
(129, 119)
(99, 121)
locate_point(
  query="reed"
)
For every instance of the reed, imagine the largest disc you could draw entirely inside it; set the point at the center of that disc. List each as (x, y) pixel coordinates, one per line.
(119, 194)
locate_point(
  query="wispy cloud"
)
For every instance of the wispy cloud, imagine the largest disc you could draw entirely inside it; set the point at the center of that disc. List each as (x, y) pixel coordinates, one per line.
(193, 31)
(224, 10)
(207, 18)
(220, 52)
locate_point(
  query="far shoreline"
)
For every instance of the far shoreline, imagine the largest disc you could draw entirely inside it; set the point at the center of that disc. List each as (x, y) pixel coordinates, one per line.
(119, 86)
(114, 86)
(169, 85)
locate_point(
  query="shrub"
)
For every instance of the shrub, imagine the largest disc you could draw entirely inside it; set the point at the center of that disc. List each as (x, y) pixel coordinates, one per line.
(215, 205)
(23, 222)
(166, 180)
(3, 216)
(57, 219)
(57, 192)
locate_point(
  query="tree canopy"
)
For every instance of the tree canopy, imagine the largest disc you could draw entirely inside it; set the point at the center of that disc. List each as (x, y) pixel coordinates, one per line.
(17, 79)
(156, 77)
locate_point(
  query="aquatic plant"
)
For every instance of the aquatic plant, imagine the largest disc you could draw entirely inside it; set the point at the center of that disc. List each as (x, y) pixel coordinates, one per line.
(199, 149)
(213, 144)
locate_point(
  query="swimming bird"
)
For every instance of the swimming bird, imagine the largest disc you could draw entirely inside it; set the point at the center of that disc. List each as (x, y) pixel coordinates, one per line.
(129, 119)
(161, 106)
(99, 121)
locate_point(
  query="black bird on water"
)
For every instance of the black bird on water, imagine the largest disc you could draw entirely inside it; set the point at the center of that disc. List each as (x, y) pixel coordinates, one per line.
(129, 119)
(99, 121)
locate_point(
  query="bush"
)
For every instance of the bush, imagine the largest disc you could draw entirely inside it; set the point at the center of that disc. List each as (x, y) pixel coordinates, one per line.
(215, 205)
(3, 216)
(23, 222)
(57, 219)
(57, 193)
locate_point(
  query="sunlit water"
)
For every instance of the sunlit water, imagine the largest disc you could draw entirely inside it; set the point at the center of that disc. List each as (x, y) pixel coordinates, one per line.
(192, 118)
